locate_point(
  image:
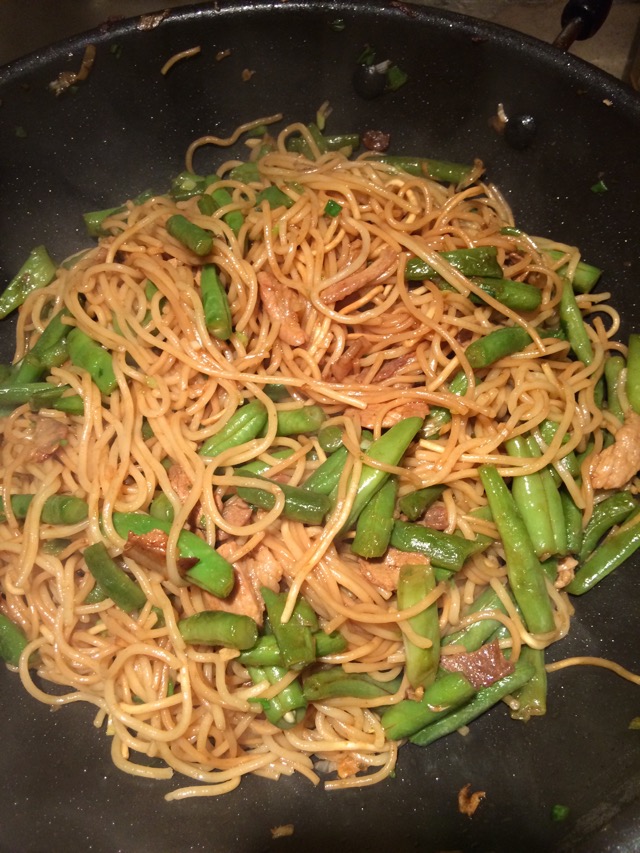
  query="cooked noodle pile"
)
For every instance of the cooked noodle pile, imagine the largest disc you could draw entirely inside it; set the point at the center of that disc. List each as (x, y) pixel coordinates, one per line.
(320, 305)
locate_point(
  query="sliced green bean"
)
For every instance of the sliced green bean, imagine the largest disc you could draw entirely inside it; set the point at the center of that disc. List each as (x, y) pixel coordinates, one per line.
(585, 277)
(633, 373)
(245, 424)
(606, 514)
(46, 352)
(215, 302)
(196, 239)
(299, 504)
(617, 547)
(449, 691)
(211, 572)
(375, 523)
(288, 707)
(573, 324)
(275, 198)
(531, 500)
(88, 355)
(573, 521)
(266, 652)
(415, 583)
(94, 219)
(330, 438)
(302, 421)
(37, 271)
(532, 696)
(479, 261)
(38, 395)
(496, 345)
(614, 367)
(218, 628)
(526, 576)
(477, 633)
(13, 640)
(484, 699)
(234, 218)
(437, 170)
(120, 588)
(415, 504)
(440, 416)
(445, 550)
(335, 683)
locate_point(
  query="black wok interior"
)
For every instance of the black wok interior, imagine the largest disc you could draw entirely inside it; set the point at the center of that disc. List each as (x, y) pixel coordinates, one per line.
(125, 129)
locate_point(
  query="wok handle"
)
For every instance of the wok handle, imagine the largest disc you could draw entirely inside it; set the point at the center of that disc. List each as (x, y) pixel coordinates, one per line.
(580, 20)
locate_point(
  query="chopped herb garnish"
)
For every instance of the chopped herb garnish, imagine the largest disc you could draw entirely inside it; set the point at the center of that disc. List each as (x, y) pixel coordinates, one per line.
(599, 187)
(21, 133)
(332, 208)
(338, 25)
(396, 78)
(559, 812)
(367, 56)
(634, 725)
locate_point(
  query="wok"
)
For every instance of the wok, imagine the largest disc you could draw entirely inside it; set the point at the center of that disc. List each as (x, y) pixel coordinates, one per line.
(125, 129)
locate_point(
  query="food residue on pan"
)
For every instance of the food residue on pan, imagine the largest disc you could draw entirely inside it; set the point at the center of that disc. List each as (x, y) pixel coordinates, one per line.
(282, 831)
(247, 74)
(150, 22)
(67, 78)
(468, 802)
(222, 54)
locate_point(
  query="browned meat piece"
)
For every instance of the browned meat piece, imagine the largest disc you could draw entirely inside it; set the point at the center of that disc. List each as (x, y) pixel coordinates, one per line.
(411, 409)
(436, 517)
(154, 542)
(48, 434)
(384, 573)
(614, 466)
(376, 272)
(252, 573)
(180, 482)
(390, 368)
(278, 302)
(468, 802)
(376, 140)
(482, 667)
(346, 363)
(566, 572)
(235, 511)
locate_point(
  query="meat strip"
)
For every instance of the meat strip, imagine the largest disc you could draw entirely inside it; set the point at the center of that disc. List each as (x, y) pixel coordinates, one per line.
(614, 466)
(373, 274)
(482, 667)
(278, 302)
(384, 573)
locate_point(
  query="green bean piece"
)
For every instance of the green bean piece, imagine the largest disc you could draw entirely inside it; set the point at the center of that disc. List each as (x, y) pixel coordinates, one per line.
(258, 466)
(573, 324)
(295, 637)
(344, 140)
(556, 512)
(88, 355)
(477, 633)
(335, 683)
(48, 351)
(517, 295)
(330, 438)
(245, 424)
(530, 498)
(215, 302)
(275, 198)
(299, 504)
(415, 504)
(479, 261)
(211, 572)
(96, 595)
(218, 628)
(327, 475)
(614, 367)
(187, 185)
(484, 699)
(606, 514)
(567, 463)
(304, 420)
(277, 392)
(196, 239)
(247, 173)
(440, 416)
(120, 588)
(72, 404)
(414, 585)
(526, 576)
(437, 170)
(573, 522)
(389, 449)
(37, 395)
(532, 696)
(633, 373)
(496, 345)
(617, 547)
(303, 613)
(445, 550)
(94, 219)
(375, 523)
(162, 508)
(449, 691)
(13, 640)
(57, 509)
(288, 707)
(37, 271)
(266, 652)
(234, 218)
(585, 277)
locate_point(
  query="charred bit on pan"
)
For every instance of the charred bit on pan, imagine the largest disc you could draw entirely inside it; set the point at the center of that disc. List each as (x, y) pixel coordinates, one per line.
(247, 74)
(150, 22)
(468, 802)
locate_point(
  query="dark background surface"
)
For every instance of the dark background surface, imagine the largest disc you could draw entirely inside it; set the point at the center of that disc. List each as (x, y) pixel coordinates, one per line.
(126, 129)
